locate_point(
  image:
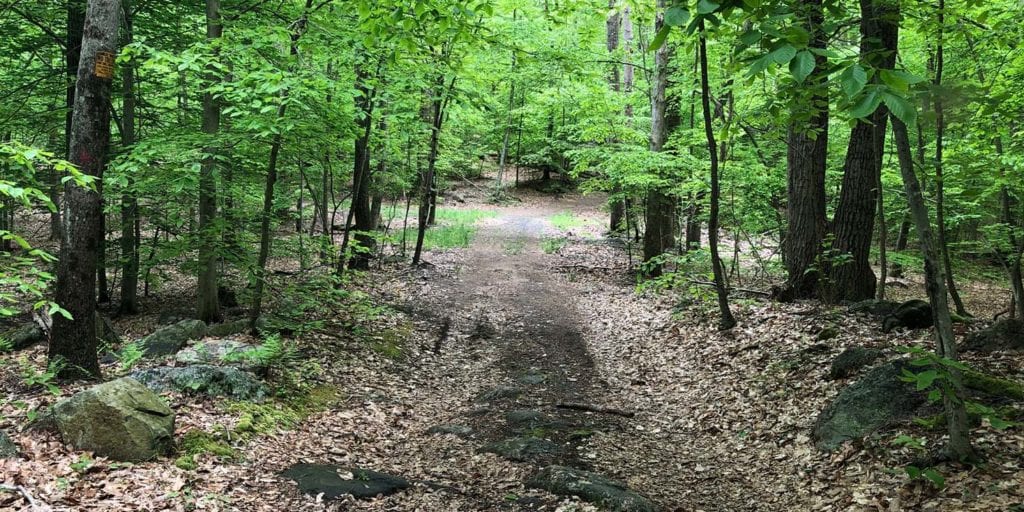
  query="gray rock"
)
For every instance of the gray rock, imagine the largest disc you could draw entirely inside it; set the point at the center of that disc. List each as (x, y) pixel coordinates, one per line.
(173, 317)
(169, 340)
(852, 359)
(1003, 335)
(216, 352)
(7, 447)
(24, 336)
(827, 333)
(499, 393)
(873, 307)
(591, 487)
(877, 399)
(912, 314)
(524, 417)
(522, 449)
(120, 419)
(456, 430)
(105, 330)
(533, 379)
(228, 328)
(204, 380)
(335, 481)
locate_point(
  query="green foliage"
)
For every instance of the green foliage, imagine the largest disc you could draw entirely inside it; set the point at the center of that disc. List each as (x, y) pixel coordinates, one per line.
(198, 443)
(553, 245)
(31, 377)
(272, 352)
(129, 355)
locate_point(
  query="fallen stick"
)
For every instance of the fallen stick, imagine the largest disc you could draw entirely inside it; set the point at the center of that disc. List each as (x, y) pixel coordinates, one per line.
(24, 493)
(595, 408)
(731, 289)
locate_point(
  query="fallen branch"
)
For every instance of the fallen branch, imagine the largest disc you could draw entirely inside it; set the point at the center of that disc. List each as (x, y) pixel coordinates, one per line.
(24, 493)
(595, 408)
(740, 290)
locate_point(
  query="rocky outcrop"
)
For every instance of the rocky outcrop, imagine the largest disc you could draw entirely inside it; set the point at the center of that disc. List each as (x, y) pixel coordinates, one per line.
(591, 487)
(120, 419)
(169, 340)
(334, 481)
(851, 360)
(205, 380)
(1003, 335)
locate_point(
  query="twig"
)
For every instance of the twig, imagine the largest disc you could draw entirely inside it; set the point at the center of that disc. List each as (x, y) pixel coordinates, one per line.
(24, 493)
(740, 290)
(595, 408)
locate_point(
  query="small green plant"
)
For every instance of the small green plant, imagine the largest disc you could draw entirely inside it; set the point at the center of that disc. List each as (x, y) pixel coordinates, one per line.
(567, 221)
(46, 379)
(553, 245)
(83, 464)
(930, 474)
(129, 355)
(198, 442)
(271, 353)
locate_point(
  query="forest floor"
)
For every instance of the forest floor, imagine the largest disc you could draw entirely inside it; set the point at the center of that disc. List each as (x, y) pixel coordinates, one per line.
(541, 311)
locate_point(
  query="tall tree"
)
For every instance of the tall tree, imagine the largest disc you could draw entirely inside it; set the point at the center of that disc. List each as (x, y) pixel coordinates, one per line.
(613, 26)
(727, 321)
(659, 230)
(959, 443)
(129, 202)
(806, 159)
(208, 307)
(850, 273)
(73, 340)
(362, 212)
(940, 132)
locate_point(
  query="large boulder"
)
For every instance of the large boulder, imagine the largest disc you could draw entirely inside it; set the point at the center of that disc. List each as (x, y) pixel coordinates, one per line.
(23, 336)
(334, 481)
(216, 352)
(1003, 335)
(169, 340)
(912, 314)
(203, 379)
(877, 399)
(852, 359)
(591, 487)
(120, 419)
(874, 307)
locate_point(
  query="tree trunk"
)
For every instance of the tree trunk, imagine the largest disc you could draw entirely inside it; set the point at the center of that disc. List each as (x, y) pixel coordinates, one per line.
(208, 307)
(851, 276)
(896, 269)
(72, 54)
(73, 341)
(439, 103)
(614, 23)
(361, 211)
(727, 321)
(959, 444)
(256, 309)
(129, 203)
(940, 130)
(806, 159)
(659, 230)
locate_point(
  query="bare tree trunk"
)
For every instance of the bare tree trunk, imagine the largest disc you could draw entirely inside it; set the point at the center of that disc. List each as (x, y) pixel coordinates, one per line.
(727, 321)
(806, 159)
(298, 29)
(439, 102)
(959, 444)
(129, 202)
(850, 273)
(208, 306)
(613, 24)
(364, 223)
(659, 230)
(940, 130)
(73, 340)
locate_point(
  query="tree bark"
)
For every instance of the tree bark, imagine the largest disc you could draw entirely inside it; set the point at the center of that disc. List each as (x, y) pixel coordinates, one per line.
(613, 26)
(806, 159)
(940, 130)
(72, 54)
(659, 230)
(73, 340)
(850, 273)
(208, 307)
(361, 211)
(727, 321)
(959, 444)
(129, 202)
(439, 102)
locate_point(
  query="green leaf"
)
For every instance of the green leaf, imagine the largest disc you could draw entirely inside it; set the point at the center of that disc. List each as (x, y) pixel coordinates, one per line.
(853, 80)
(659, 38)
(934, 477)
(925, 379)
(783, 54)
(706, 7)
(867, 105)
(676, 16)
(802, 65)
(750, 37)
(900, 107)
